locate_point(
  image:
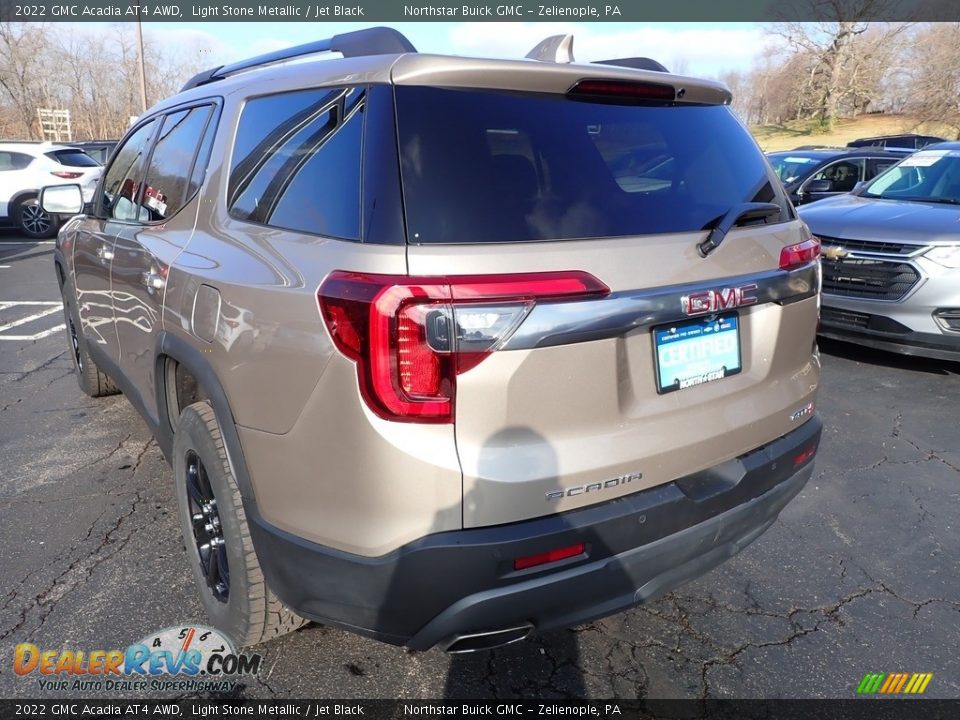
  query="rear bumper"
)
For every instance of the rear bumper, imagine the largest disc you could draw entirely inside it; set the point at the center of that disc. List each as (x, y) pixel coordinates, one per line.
(638, 547)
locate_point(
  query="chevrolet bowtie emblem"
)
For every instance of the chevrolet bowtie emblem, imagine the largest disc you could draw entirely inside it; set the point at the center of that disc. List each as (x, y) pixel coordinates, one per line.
(834, 252)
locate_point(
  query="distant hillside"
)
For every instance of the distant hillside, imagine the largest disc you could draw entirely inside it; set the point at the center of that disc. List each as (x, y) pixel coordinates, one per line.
(793, 134)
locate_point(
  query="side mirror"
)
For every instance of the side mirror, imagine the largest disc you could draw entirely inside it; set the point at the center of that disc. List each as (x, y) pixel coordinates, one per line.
(62, 199)
(819, 186)
(859, 186)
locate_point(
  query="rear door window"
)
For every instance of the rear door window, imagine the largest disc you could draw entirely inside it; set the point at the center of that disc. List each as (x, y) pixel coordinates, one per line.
(167, 186)
(484, 166)
(843, 175)
(877, 166)
(121, 187)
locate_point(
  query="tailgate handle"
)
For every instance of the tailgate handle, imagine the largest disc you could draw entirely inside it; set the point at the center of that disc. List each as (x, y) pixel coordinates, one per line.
(736, 215)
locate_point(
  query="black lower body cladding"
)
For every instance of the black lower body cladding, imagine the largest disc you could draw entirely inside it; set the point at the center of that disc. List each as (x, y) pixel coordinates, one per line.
(636, 548)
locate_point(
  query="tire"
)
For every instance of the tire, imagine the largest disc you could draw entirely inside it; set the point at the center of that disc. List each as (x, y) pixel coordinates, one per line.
(33, 221)
(91, 379)
(227, 574)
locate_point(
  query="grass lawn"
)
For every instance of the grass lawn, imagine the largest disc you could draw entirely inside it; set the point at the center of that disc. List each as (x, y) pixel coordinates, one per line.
(789, 135)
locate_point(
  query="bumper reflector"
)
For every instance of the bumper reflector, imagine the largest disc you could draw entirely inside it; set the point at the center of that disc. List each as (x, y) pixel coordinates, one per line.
(804, 456)
(550, 556)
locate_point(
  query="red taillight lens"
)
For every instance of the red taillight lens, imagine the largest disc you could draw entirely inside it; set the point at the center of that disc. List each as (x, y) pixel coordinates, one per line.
(623, 90)
(550, 556)
(411, 337)
(794, 256)
(66, 174)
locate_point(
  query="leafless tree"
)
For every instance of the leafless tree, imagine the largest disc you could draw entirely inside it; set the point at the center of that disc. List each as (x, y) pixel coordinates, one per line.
(91, 73)
(23, 47)
(844, 55)
(931, 84)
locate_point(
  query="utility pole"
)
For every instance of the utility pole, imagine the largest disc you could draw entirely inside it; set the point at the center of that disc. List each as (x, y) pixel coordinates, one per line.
(140, 66)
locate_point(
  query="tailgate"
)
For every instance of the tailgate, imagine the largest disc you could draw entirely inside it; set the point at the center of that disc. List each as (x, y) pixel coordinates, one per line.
(562, 421)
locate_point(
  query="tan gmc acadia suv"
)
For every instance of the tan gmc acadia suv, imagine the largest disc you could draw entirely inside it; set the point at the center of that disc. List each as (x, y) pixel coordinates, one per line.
(443, 350)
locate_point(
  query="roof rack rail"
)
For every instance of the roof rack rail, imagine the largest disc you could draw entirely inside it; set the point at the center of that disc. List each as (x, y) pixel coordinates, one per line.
(638, 63)
(555, 49)
(371, 41)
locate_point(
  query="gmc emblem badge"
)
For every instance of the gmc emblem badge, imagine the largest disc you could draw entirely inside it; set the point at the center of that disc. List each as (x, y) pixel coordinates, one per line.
(712, 301)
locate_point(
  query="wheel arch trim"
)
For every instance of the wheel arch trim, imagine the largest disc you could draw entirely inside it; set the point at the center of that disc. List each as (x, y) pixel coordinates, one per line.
(170, 346)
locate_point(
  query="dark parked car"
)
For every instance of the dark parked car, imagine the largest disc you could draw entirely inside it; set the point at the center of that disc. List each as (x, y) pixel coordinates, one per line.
(809, 175)
(896, 143)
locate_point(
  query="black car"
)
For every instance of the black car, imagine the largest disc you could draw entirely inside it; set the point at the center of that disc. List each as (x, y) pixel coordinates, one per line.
(809, 175)
(897, 143)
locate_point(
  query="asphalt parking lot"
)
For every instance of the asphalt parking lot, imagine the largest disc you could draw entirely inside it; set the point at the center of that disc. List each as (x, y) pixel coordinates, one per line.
(860, 574)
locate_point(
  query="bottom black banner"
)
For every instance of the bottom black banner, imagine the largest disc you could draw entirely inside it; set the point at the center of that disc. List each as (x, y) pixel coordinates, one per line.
(854, 709)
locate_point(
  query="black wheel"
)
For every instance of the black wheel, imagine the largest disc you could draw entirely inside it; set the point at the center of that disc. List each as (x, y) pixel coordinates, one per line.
(93, 381)
(217, 537)
(33, 221)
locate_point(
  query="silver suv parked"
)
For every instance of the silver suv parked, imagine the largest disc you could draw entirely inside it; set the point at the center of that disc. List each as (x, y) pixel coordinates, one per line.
(446, 350)
(891, 265)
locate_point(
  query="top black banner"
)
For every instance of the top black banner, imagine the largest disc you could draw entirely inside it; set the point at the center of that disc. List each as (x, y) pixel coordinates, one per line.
(389, 11)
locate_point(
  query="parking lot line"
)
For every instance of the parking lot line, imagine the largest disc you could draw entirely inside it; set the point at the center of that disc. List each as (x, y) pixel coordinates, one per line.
(50, 307)
(27, 319)
(27, 242)
(10, 303)
(36, 336)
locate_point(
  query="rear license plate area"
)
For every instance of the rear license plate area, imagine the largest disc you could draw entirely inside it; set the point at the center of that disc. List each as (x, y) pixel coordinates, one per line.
(694, 352)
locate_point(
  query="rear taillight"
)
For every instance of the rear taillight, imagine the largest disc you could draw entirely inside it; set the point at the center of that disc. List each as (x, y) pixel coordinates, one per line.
(412, 336)
(794, 256)
(66, 174)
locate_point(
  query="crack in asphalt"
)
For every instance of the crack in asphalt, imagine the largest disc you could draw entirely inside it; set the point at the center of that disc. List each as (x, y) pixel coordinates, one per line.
(930, 454)
(11, 501)
(77, 572)
(82, 567)
(107, 456)
(42, 366)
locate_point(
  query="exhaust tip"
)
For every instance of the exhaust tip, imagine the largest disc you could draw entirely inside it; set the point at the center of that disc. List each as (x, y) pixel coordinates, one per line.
(477, 642)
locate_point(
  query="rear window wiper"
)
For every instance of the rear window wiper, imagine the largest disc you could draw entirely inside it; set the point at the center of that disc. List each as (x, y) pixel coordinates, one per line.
(736, 215)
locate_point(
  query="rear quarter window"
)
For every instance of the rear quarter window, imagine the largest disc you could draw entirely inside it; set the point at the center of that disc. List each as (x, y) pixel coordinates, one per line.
(297, 160)
(13, 161)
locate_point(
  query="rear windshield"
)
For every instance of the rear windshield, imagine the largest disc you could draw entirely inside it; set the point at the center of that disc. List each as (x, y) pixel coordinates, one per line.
(481, 166)
(72, 158)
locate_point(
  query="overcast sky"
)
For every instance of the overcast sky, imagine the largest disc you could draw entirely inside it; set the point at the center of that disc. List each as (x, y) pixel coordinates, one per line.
(695, 48)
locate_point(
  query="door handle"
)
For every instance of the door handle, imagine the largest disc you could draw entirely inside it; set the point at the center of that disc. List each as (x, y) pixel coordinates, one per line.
(153, 280)
(105, 254)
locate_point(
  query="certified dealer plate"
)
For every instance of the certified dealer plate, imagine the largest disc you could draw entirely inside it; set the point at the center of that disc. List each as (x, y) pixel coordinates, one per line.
(696, 352)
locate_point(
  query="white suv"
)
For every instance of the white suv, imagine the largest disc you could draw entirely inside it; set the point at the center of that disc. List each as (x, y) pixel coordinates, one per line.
(26, 168)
